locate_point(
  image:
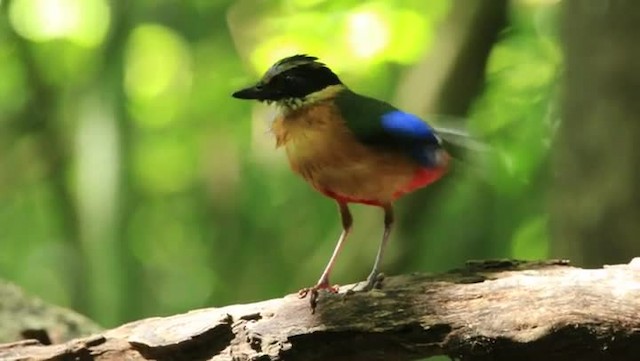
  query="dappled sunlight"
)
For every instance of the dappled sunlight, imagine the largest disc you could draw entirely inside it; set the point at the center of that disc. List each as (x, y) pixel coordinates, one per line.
(84, 22)
(351, 39)
(368, 34)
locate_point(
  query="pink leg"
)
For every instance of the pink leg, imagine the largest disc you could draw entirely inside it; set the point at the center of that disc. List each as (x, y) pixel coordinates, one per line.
(323, 282)
(388, 222)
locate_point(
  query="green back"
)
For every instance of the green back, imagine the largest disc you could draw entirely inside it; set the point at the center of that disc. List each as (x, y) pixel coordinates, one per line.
(363, 116)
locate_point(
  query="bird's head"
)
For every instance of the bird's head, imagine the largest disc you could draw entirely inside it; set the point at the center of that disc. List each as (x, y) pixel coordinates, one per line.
(292, 82)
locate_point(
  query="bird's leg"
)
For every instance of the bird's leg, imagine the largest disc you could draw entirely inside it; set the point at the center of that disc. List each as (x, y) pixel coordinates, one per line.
(323, 282)
(375, 272)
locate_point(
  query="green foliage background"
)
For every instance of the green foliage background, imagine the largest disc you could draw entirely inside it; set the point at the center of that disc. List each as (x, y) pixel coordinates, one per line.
(132, 184)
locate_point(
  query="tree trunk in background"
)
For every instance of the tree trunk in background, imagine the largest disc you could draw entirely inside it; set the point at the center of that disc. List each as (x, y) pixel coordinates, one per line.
(595, 202)
(447, 82)
(449, 79)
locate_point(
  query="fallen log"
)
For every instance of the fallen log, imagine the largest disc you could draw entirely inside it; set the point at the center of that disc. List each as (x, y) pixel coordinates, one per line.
(487, 310)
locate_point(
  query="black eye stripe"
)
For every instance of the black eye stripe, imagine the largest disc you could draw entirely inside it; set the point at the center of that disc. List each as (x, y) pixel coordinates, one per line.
(298, 82)
(281, 80)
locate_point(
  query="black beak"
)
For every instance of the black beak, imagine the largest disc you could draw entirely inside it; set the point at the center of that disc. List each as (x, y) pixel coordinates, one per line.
(254, 92)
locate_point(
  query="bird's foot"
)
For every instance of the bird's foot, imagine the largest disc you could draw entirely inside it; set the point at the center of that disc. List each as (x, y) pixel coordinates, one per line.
(373, 281)
(313, 293)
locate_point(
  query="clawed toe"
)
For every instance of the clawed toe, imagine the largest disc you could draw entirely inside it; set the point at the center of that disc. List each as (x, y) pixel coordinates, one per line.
(313, 293)
(373, 281)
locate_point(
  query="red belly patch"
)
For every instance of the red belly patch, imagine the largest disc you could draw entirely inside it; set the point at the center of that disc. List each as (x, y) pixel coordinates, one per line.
(422, 178)
(346, 199)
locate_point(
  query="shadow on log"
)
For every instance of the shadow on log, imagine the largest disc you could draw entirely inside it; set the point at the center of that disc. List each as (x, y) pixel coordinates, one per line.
(488, 310)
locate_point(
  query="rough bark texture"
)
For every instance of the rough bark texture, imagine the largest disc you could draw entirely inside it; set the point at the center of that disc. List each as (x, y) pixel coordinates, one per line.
(492, 310)
(23, 316)
(596, 199)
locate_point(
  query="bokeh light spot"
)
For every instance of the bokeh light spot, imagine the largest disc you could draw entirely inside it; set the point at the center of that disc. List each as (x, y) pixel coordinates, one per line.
(368, 33)
(158, 73)
(84, 22)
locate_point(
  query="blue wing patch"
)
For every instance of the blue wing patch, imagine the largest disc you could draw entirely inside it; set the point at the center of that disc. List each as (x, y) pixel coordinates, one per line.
(407, 125)
(422, 142)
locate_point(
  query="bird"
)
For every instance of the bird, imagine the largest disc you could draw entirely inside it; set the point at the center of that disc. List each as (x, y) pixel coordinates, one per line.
(349, 147)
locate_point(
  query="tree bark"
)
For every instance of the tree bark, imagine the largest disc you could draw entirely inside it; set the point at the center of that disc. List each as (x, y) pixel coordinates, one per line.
(491, 310)
(24, 316)
(596, 200)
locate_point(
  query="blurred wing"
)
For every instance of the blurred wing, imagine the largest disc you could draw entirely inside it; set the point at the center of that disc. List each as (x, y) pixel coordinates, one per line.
(455, 138)
(470, 153)
(460, 144)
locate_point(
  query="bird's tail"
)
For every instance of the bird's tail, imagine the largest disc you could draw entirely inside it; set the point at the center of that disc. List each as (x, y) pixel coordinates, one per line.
(471, 154)
(460, 144)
